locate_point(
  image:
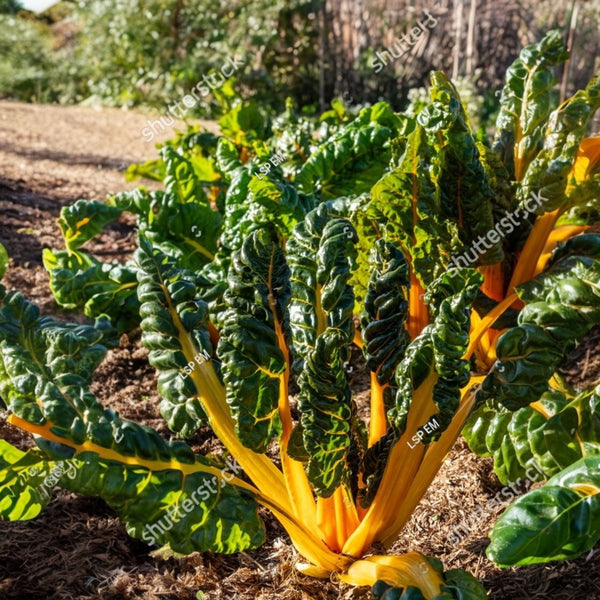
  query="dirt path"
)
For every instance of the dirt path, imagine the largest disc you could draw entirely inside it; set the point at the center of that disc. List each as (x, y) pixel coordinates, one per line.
(77, 549)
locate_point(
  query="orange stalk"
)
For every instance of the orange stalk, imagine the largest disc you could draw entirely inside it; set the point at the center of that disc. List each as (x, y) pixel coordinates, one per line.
(560, 234)
(378, 423)
(487, 321)
(213, 334)
(493, 281)
(533, 248)
(357, 341)
(418, 315)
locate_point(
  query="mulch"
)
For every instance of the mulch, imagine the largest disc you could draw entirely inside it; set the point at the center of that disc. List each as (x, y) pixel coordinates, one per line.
(77, 548)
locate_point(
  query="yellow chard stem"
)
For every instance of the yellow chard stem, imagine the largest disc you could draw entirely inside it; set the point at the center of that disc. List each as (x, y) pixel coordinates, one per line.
(486, 322)
(400, 571)
(299, 490)
(432, 461)
(211, 393)
(402, 465)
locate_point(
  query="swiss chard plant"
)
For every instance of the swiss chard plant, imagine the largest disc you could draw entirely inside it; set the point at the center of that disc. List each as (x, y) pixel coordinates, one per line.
(393, 234)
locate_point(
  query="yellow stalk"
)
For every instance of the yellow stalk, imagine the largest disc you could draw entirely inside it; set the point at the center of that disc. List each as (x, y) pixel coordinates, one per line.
(199, 247)
(211, 393)
(400, 571)
(539, 407)
(378, 423)
(587, 489)
(306, 542)
(402, 466)
(110, 454)
(336, 518)
(357, 341)
(432, 461)
(300, 492)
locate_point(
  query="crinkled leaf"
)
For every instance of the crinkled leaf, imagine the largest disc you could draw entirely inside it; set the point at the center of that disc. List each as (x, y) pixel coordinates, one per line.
(466, 194)
(353, 159)
(386, 309)
(563, 304)
(438, 351)
(525, 103)
(255, 338)
(173, 313)
(547, 175)
(325, 404)
(320, 255)
(142, 477)
(78, 280)
(282, 205)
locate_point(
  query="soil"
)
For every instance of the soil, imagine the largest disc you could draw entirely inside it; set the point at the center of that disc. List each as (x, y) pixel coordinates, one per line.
(51, 156)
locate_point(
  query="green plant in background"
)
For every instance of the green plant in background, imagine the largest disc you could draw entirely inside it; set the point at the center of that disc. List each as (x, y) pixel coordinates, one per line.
(240, 281)
(27, 64)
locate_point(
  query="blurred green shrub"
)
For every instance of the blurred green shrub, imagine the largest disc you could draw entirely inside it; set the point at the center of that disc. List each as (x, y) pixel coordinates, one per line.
(26, 61)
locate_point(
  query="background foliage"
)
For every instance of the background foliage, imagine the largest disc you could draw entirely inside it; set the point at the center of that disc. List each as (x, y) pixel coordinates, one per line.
(151, 52)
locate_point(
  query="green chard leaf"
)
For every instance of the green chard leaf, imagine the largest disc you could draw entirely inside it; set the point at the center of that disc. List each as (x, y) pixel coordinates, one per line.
(548, 174)
(84, 219)
(438, 351)
(562, 305)
(525, 103)
(353, 159)
(559, 521)
(78, 280)
(171, 311)
(537, 441)
(279, 203)
(386, 309)
(466, 195)
(320, 254)
(255, 338)
(404, 208)
(162, 491)
(34, 345)
(26, 481)
(325, 404)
